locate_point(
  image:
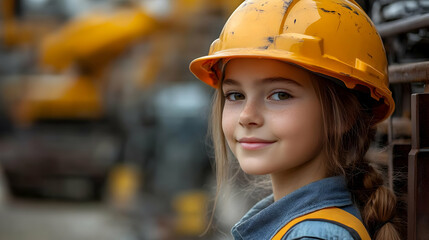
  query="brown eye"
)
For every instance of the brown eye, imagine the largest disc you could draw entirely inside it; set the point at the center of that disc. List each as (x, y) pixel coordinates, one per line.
(278, 96)
(234, 96)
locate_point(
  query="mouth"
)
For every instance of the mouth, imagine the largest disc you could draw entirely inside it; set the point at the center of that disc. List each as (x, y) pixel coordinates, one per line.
(254, 143)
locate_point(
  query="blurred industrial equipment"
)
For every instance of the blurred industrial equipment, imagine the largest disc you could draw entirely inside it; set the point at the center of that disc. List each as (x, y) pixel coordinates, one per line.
(67, 142)
(96, 104)
(404, 25)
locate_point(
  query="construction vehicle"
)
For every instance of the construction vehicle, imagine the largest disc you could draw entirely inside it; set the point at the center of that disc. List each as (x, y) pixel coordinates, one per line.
(67, 144)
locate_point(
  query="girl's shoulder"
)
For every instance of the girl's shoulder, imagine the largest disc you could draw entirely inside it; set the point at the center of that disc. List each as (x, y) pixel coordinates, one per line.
(319, 229)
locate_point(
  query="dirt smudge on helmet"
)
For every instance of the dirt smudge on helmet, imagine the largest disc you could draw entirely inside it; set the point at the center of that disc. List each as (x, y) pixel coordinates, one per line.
(286, 4)
(327, 11)
(348, 7)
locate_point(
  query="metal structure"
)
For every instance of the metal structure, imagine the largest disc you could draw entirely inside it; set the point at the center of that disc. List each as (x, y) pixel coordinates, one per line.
(412, 160)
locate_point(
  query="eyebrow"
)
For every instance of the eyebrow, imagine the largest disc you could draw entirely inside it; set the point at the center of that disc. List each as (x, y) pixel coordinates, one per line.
(233, 82)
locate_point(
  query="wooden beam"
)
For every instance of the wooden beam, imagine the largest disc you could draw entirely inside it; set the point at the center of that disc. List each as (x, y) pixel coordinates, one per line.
(418, 169)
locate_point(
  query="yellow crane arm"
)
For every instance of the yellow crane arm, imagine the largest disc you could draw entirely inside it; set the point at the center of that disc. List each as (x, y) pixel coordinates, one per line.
(99, 33)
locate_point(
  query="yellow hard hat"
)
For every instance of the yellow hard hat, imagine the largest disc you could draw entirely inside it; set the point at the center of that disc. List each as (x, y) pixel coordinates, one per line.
(334, 38)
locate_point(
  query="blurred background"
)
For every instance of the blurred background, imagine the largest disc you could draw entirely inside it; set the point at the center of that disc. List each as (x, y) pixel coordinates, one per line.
(102, 126)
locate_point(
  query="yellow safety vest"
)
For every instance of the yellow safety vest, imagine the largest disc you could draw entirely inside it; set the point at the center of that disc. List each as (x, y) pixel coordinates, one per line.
(331, 214)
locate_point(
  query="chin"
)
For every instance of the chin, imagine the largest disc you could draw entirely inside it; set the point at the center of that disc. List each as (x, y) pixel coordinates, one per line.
(254, 170)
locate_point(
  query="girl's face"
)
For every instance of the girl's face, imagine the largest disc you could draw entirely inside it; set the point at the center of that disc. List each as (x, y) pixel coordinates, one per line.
(272, 116)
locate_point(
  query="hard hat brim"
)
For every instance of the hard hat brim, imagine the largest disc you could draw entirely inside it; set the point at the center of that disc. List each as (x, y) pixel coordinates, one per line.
(202, 68)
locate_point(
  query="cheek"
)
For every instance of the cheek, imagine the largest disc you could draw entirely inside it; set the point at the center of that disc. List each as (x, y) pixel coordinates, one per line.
(301, 127)
(229, 120)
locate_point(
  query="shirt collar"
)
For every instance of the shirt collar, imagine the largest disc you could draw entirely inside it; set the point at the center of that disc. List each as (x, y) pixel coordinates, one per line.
(267, 217)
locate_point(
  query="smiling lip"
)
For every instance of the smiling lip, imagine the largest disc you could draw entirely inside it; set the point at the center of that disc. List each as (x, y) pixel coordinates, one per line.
(254, 143)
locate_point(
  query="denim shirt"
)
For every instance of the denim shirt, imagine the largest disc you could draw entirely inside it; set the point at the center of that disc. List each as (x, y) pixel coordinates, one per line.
(267, 217)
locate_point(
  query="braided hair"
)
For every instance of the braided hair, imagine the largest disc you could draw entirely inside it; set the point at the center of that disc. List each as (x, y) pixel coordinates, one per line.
(348, 134)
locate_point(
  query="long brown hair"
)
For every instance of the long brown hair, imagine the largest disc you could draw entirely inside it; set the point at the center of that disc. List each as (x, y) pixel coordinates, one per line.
(348, 131)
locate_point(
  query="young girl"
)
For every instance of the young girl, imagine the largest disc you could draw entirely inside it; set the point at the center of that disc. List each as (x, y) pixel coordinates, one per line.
(301, 85)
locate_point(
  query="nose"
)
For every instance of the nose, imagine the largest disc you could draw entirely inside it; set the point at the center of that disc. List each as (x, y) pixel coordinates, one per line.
(251, 115)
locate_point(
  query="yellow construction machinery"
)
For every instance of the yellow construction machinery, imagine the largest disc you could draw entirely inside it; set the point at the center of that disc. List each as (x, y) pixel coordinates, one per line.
(65, 109)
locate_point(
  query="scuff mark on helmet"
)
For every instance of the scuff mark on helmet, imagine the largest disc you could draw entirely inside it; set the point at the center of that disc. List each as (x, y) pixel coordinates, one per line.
(270, 41)
(348, 7)
(286, 4)
(245, 3)
(327, 11)
(358, 27)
